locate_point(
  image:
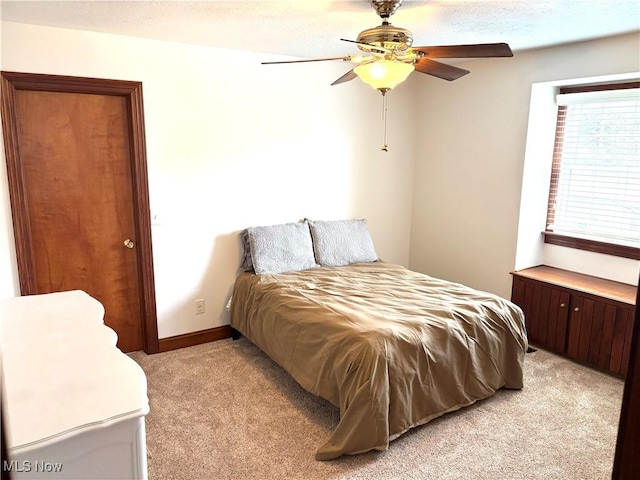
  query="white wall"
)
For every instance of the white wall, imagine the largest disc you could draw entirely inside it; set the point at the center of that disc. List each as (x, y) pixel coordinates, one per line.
(230, 144)
(470, 155)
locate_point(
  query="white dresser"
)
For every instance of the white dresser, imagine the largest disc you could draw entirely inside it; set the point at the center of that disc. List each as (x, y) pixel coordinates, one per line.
(73, 404)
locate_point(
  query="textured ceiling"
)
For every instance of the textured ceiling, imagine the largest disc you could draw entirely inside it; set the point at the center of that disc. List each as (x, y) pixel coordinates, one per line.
(313, 28)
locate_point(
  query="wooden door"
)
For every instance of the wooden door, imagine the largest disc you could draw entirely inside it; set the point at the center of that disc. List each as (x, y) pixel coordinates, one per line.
(625, 464)
(79, 196)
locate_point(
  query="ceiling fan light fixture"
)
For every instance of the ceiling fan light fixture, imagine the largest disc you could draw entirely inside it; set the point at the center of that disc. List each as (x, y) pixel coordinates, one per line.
(384, 74)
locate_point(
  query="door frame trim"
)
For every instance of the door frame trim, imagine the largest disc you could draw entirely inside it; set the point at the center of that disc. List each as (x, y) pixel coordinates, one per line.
(132, 92)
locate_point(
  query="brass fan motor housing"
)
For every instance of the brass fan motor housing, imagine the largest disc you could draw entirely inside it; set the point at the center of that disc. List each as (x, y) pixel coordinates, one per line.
(386, 8)
(386, 36)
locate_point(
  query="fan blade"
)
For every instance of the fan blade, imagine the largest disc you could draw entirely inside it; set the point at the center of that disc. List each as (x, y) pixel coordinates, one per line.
(350, 75)
(467, 51)
(345, 58)
(440, 70)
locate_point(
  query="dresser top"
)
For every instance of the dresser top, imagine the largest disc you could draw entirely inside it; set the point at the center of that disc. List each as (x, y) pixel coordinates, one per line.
(62, 371)
(601, 287)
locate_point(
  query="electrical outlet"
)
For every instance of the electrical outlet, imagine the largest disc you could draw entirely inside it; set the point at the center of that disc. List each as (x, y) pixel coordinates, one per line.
(199, 306)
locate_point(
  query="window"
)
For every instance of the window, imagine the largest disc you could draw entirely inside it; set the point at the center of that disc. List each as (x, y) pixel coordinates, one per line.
(594, 199)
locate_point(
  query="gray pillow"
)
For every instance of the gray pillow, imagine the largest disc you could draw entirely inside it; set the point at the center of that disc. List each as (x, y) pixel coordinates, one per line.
(246, 264)
(342, 242)
(281, 248)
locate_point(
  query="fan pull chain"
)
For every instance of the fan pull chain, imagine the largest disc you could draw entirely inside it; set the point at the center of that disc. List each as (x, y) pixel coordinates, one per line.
(384, 147)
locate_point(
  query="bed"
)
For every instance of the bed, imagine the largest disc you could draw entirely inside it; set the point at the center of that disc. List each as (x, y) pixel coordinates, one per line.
(390, 347)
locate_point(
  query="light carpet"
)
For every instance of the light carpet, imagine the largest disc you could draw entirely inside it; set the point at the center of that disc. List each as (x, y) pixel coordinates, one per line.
(224, 410)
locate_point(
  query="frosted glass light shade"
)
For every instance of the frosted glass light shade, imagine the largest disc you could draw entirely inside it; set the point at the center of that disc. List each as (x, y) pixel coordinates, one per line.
(383, 74)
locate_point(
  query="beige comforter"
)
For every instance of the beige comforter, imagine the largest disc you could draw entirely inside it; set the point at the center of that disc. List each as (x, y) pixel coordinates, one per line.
(391, 348)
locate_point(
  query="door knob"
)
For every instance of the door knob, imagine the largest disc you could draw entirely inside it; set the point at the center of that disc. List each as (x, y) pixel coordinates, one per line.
(128, 243)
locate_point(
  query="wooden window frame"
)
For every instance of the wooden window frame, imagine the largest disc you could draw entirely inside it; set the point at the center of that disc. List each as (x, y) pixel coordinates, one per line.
(569, 241)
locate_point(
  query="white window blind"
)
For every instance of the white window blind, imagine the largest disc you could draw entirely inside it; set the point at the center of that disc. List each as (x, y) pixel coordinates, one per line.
(595, 179)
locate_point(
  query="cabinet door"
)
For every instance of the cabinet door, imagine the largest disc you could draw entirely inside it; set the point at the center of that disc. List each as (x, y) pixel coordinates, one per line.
(546, 312)
(557, 320)
(621, 342)
(600, 334)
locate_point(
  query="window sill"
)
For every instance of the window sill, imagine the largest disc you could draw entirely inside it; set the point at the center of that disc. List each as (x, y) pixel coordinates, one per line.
(592, 245)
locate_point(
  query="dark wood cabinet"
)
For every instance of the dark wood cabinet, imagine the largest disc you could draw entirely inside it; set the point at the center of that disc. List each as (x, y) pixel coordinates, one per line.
(585, 318)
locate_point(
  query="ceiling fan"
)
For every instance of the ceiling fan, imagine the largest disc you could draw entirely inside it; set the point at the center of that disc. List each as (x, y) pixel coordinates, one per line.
(388, 56)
